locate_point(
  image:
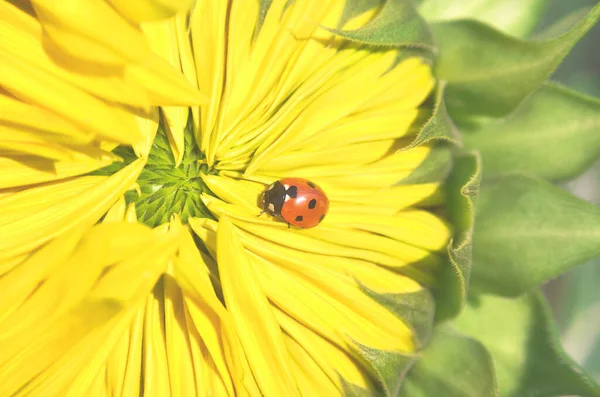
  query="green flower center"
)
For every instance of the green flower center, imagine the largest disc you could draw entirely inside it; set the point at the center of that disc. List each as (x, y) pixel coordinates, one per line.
(166, 189)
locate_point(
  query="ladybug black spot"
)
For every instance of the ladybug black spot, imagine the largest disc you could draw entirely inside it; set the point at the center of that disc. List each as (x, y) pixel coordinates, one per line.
(292, 191)
(309, 183)
(321, 218)
(312, 204)
(299, 218)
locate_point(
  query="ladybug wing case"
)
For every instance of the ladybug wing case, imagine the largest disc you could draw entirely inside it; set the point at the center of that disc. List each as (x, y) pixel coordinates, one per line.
(306, 210)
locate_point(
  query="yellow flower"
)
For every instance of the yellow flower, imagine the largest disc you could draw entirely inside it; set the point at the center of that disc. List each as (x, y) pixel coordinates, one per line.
(214, 300)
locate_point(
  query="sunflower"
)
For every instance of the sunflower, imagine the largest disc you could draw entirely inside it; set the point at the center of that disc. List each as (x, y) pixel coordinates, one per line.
(132, 260)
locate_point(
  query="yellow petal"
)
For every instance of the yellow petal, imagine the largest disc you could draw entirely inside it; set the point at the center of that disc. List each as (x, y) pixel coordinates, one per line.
(156, 372)
(178, 346)
(319, 113)
(385, 172)
(165, 85)
(242, 190)
(10, 263)
(335, 309)
(19, 283)
(332, 361)
(208, 38)
(124, 364)
(39, 87)
(206, 312)
(366, 126)
(261, 337)
(150, 10)
(148, 125)
(23, 142)
(417, 228)
(31, 217)
(344, 309)
(312, 380)
(186, 57)
(341, 156)
(329, 239)
(310, 266)
(163, 38)
(252, 94)
(81, 307)
(116, 213)
(28, 170)
(23, 38)
(22, 114)
(91, 31)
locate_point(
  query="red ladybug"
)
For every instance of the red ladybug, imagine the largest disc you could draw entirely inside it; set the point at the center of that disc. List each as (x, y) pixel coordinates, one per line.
(297, 201)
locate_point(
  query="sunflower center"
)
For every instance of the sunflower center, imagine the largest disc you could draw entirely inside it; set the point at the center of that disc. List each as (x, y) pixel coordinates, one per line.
(167, 189)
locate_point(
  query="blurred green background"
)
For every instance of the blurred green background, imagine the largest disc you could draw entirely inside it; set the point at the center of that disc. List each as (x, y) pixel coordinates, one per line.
(575, 296)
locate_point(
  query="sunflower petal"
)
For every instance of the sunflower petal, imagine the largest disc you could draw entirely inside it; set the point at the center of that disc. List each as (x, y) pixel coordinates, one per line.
(31, 84)
(150, 10)
(332, 361)
(94, 305)
(339, 318)
(31, 217)
(205, 311)
(22, 37)
(21, 170)
(163, 36)
(74, 28)
(261, 339)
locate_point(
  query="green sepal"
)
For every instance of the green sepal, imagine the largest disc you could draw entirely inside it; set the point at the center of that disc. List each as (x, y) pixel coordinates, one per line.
(127, 156)
(525, 346)
(354, 8)
(263, 9)
(462, 189)
(415, 309)
(561, 121)
(529, 231)
(388, 367)
(517, 18)
(488, 72)
(439, 126)
(352, 390)
(397, 24)
(165, 189)
(453, 365)
(435, 168)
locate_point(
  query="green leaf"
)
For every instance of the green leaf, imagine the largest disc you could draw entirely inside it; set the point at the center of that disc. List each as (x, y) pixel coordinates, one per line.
(521, 336)
(554, 134)
(563, 24)
(396, 25)
(515, 17)
(578, 314)
(452, 366)
(489, 72)
(462, 188)
(529, 231)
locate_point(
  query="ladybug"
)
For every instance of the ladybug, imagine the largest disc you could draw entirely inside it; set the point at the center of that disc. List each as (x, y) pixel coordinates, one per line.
(297, 201)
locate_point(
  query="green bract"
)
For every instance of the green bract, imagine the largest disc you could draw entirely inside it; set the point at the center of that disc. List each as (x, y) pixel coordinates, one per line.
(505, 134)
(165, 189)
